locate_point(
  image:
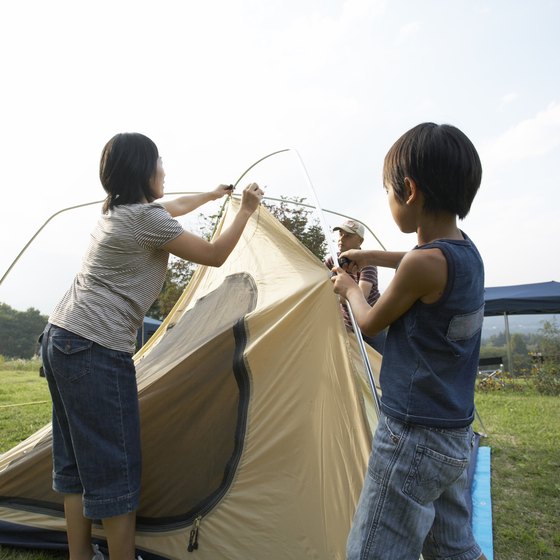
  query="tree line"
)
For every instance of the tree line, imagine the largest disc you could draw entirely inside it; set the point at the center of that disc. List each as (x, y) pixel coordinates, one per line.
(19, 331)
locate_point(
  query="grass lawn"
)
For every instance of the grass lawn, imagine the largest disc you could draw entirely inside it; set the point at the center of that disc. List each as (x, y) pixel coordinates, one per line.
(523, 432)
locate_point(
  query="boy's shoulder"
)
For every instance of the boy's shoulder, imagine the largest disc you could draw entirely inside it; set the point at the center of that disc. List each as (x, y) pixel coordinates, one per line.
(423, 273)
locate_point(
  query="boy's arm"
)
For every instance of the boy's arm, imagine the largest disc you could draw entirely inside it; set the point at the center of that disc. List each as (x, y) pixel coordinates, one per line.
(362, 257)
(422, 275)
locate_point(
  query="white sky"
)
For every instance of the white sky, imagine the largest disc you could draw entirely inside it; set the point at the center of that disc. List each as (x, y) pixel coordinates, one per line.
(217, 84)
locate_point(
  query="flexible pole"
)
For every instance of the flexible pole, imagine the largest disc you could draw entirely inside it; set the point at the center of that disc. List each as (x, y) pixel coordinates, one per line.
(334, 256)
(40, 230)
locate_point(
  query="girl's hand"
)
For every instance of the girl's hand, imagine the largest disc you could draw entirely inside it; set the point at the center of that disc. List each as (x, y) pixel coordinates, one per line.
(221, 190)
(252, 196)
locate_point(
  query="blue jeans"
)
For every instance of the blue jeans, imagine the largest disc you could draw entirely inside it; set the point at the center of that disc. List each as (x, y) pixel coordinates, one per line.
(95, 422)
(413, 500)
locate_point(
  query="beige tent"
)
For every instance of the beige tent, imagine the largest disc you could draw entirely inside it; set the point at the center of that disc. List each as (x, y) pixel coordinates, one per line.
(254, 410)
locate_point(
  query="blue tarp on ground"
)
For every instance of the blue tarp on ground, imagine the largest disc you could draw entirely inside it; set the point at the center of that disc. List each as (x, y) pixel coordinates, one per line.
(482, 503)
(523, 299)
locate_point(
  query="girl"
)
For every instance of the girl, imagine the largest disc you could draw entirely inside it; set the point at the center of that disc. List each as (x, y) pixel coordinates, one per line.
(90, 339)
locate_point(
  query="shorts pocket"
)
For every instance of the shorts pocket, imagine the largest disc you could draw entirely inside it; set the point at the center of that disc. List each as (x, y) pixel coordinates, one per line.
(71, 355)
(431, 473)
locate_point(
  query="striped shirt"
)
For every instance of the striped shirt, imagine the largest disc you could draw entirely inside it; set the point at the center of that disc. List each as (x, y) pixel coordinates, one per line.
(367, 274)
(121, 276)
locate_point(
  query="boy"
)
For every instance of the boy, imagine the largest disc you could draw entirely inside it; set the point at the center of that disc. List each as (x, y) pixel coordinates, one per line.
(412, 501)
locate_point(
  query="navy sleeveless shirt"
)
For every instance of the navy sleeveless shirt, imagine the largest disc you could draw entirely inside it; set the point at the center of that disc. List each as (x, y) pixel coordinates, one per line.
(431, 353)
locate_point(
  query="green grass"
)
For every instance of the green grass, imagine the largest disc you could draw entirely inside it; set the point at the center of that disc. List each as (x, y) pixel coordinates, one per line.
(25, 403)
(523, 431)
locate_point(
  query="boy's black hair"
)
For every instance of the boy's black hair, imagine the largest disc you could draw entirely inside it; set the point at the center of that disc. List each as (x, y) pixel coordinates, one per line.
(128, 162)
(443, 163)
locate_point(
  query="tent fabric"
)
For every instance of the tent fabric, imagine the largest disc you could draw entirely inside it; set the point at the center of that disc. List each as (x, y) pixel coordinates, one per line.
(523, 299)
(256, 417)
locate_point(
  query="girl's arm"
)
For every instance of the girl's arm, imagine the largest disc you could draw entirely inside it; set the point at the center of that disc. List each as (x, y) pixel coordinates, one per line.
(189, 202)
(214, 253)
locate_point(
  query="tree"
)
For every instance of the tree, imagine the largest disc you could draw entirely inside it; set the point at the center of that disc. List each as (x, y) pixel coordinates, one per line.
(295, 218)
(19, 331)
(547, 379)
(288, 212)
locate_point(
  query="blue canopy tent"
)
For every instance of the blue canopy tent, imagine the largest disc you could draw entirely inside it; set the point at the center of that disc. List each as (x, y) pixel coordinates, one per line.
(148, 328)
(523, 299)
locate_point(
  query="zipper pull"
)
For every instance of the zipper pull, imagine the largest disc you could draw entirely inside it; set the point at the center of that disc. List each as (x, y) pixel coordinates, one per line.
(193, 538)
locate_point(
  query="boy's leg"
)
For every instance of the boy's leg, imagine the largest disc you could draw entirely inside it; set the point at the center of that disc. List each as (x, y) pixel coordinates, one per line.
(78, 528)
(388, 523)
(451, 534)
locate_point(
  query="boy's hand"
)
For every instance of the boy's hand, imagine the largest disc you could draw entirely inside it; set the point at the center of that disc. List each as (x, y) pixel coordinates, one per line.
(343, 282)
(350, 260)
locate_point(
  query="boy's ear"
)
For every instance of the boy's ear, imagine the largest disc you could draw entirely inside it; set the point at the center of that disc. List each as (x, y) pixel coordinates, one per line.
(411, 191)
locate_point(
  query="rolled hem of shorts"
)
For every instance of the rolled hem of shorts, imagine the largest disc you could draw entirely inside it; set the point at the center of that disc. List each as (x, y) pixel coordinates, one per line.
(67, 485)
(474, 553)
(111, 507)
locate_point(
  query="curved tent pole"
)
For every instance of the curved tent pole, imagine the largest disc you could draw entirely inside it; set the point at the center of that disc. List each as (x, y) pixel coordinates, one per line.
(25, 247)
(35, 235)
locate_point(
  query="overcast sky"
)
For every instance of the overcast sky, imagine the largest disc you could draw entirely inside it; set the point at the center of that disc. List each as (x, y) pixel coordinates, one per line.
(217, 84)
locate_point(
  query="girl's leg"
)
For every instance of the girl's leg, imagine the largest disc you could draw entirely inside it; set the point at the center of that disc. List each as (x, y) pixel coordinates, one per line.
(78, 528)
(120, 531)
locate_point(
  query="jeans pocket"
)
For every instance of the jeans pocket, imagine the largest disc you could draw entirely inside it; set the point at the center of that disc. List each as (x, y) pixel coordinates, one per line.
(431, 473)
(70, 355)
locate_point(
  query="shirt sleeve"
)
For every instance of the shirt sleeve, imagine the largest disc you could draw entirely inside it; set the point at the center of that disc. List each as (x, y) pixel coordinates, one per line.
(369, 274)
(154, 226)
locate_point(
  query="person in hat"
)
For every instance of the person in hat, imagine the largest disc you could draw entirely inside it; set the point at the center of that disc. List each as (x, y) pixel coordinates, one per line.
(351, 236)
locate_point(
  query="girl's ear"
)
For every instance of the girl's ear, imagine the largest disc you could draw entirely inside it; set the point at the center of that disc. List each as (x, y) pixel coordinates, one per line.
(411, 191)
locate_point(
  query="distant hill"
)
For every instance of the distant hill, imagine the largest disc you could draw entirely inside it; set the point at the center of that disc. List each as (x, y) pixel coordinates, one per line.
(523, 324)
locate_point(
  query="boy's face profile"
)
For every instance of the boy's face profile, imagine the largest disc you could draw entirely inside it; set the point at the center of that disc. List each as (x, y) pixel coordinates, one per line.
(404, 213)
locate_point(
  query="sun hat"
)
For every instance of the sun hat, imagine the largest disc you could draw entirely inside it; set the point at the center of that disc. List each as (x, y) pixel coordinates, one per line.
(350, 226)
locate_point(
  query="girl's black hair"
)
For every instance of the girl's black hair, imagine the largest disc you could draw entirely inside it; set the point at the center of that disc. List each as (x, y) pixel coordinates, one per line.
(443, 163)
(128, 162)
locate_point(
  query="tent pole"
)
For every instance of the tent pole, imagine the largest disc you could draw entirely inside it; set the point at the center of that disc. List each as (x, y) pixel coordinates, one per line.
(334, 256)
(508, 344)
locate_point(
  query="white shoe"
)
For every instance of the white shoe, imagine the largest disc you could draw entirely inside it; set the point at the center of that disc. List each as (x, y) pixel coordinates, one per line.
(97, 554)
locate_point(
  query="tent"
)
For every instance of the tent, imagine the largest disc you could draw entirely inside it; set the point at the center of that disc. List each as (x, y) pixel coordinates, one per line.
(256, 418)
(523, 299)
(148, 328)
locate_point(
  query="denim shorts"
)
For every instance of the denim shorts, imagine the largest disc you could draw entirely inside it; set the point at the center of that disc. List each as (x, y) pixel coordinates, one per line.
(95, 423)
(413, 499)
